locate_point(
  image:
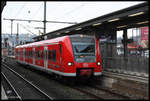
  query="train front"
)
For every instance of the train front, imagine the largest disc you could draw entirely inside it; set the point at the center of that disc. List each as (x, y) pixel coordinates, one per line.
(86, 54)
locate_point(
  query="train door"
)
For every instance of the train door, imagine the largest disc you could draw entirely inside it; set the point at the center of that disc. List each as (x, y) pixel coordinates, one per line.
(45, 56)
(34, 56)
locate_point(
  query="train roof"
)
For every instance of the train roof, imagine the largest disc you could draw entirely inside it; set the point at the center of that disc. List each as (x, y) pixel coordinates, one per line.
(55, 40)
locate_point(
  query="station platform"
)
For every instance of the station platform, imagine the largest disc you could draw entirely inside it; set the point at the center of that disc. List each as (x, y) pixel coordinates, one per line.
(3, 94)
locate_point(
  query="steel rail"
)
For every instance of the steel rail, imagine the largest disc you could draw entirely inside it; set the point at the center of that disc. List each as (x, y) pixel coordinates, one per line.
(79, 89)
(88, 93)
(38, 89)
(18, 96)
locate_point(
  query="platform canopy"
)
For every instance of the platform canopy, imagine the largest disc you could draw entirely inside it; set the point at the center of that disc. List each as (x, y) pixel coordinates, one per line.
(134, 16)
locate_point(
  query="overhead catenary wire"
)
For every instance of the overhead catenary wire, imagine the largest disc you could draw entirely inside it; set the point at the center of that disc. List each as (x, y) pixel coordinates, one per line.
(73, 10)
(17, 14)
(37, 11)
(27, 29)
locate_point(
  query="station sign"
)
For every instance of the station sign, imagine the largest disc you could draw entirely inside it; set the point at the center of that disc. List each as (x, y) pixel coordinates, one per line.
(144, 33)
(144, 37)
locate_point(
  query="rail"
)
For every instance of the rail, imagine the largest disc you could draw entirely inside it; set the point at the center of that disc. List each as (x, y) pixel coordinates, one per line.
(29, 83)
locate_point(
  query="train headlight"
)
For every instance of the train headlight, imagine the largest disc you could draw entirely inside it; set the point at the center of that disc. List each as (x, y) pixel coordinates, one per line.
(70, 63)
(98, 63)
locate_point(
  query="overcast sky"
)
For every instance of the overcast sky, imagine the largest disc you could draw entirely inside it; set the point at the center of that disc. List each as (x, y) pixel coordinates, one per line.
(56, 11)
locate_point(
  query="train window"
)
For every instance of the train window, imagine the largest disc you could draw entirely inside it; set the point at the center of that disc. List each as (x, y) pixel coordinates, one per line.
(30, 53)
(41, 54)
(49, 55)
(54, 55)
(36, 54)
(27, 53)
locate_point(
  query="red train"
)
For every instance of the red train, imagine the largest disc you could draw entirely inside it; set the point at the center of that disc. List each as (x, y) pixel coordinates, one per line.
(74, 55)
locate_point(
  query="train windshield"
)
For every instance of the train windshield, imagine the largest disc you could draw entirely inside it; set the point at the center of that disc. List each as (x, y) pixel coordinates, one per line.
(84, 48)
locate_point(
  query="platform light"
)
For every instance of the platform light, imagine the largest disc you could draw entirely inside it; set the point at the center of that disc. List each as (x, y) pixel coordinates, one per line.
(136, 14)
(78, 29)
(122, 26)
(67, 31)
(58, 34)
(81, 35)
(142, 22)
(96, 24)
(116, 19)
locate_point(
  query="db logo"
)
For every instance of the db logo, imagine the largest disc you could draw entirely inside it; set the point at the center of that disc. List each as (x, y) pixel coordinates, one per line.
(85, 65)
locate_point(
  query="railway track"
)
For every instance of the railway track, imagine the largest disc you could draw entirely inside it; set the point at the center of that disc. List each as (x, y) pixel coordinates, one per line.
(11, 92)
(76, 88)
(91, 90)
(23, 88)
(108, 94)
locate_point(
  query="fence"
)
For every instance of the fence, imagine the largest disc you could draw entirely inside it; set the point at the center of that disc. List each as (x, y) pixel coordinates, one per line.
(135, 63)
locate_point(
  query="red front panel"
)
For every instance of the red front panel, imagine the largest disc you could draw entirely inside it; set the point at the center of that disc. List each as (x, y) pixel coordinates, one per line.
(69, 57)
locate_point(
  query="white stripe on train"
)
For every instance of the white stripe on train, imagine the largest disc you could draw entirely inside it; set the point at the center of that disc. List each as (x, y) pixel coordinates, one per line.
(54, 71)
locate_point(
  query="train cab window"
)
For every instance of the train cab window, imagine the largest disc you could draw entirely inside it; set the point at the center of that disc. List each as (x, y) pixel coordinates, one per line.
(54, 55)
